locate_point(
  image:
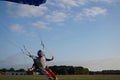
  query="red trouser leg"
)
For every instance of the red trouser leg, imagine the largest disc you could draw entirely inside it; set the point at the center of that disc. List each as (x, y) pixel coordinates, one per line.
(51, 73)
(48, 74)
(45, 72)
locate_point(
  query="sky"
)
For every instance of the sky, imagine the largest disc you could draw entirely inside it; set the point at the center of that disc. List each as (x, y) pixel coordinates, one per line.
(76, 32)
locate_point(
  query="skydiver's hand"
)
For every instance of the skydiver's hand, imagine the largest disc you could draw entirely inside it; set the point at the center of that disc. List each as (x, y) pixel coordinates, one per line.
(52, 58)
(30, 69)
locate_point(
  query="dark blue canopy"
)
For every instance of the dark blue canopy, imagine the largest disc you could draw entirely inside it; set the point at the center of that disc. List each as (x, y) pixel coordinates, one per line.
(30, 2)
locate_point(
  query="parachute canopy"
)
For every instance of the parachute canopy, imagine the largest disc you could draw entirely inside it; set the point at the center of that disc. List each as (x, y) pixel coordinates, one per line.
(30, 2)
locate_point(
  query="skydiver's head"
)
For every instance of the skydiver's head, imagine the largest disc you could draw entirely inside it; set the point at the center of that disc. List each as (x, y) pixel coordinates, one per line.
(40, 53)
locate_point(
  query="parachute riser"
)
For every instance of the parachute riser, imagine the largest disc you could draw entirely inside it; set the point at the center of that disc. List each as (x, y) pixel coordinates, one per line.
(25, 51)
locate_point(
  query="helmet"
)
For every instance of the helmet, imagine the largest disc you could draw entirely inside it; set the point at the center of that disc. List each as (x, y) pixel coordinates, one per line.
(40, 53)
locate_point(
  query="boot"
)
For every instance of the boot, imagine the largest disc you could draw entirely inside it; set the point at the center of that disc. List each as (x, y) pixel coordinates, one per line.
(55, 78)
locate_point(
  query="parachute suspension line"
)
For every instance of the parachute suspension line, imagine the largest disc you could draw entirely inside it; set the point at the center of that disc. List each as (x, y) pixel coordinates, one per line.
(11, 42)
(43, 47)
(5, 30)
(39, 35)
(14, 43)
(25, 52)
(46, 50)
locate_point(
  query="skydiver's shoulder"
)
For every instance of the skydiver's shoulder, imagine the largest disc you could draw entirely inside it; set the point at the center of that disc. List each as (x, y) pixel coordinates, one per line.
(33, 56)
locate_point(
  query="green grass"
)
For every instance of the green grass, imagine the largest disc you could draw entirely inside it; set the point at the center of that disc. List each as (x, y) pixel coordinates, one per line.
(64, 77)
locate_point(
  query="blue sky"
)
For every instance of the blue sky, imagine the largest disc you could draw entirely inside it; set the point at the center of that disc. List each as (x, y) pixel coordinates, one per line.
(77, 32)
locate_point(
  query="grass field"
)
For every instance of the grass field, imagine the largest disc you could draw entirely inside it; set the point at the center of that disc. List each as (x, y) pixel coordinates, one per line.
(64, 77)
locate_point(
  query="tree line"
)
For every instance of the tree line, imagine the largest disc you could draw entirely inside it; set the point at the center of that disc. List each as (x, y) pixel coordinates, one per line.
(69, 70)
(12, 70)
(105, 72)
(59, 70)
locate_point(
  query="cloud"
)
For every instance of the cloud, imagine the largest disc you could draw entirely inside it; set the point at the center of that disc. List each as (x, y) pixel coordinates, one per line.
(41, 25)
(90, 12)
(31, 11)
(94, 11)
(104, 1)
(56, 16)
(17, 28)
(26, 10)
(68, 4)
(68, 9)
(76, 9)
(94, 64)
(104, 64)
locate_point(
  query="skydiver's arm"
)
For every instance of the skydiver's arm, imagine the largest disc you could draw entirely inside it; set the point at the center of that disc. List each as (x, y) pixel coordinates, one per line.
(32, 56)
(50, 59)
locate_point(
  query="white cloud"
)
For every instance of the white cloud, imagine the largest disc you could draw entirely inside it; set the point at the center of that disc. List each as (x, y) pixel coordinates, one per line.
(31, 10)
(56, 17)
(94, 11)
(94, 64)
(66, 11)
(78, 16)
(104, 64)
(26, 10)
(76, 9)
(90, 13)
(41, 25)
(68, 4)
(104, 1)
(17, 28)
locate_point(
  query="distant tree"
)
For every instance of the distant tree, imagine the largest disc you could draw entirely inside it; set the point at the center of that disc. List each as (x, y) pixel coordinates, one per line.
(54, 68)
(105, 72)
(29, 72)
(3, 70)
(78, 70)
(20, 70)
(86, 71)
(11, 70)
(64, 70)
(71, 70)
(111, 72)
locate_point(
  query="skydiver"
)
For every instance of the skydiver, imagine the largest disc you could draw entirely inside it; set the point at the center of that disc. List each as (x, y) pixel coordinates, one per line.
(40, 65)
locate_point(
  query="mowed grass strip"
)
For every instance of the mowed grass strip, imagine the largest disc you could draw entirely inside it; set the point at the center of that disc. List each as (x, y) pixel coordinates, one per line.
(64, 77)
(24, 77)
(89, 77)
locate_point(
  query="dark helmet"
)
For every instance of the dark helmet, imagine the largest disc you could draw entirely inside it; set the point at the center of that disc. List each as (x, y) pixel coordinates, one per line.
(40, 53)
